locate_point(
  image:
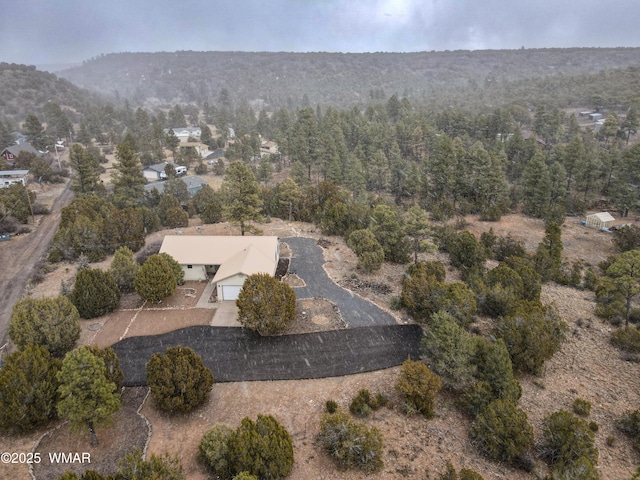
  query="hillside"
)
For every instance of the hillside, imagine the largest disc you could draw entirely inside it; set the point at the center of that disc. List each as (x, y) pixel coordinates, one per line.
(25, 90)
(293, 79)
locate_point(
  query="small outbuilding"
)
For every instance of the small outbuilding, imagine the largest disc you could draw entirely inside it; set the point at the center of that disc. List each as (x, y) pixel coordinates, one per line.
(600, 220)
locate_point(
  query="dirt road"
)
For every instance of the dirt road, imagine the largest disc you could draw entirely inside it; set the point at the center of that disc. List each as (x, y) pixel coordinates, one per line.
(18, 257)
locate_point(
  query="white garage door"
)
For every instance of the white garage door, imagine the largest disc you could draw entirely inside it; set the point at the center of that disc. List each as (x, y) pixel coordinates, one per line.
(230, 292)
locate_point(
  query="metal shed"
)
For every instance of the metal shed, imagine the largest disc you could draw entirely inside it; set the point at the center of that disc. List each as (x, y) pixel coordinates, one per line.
(600, 220)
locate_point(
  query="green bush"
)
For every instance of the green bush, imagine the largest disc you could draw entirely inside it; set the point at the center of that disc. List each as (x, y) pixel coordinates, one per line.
(466, 253)
(28, 389)
(531, 280)
(580, 469)
(465, 474)
(178, 379)
(369, 252)
(449, 349)
(331, 406)
(502, 432)
(508, 246)
(566, 439)
(265, 304)
(629, 424)
(582, 407)
(53, 323)
(214, 449)
(495, 378)
(419, 386)
(533, 334)
(156, 279)
(262, 448)
(95, 293)
(626, 339)
(360, 405)
(351, 444)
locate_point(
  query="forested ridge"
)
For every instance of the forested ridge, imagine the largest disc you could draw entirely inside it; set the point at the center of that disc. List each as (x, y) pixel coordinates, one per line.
(295, 79)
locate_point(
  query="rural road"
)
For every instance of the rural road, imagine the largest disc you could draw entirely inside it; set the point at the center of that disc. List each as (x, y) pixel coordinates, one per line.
(19, 255)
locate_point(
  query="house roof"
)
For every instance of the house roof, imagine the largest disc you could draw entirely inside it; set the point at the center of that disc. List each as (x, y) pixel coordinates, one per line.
(191, 181)
(23, 147)
(247, 262)
(13, 173)
(602, 216)
(234, 254)
(158, 167)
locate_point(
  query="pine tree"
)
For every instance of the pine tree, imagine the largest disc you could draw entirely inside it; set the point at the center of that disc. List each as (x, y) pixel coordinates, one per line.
(369, 252)
(126, 229)
(625, 277)
(416, 226)
(87, 398)
(95, 293)
(28, 389)
(241, 192)
(86, 179)
(111, 364)
(178, 379)
(548, 257)
(123, 269)
(34, 131)
(450, 351)
(388, 228)
(128, 181)
(536, 187)
(53, 323)
(265, 304)
(155, 280)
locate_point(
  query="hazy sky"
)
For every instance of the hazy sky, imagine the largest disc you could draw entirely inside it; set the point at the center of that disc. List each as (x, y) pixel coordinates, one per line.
(60, 31)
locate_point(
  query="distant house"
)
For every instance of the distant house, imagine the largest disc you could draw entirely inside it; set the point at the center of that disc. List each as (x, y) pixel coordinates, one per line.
(200, 148)
(600, 220)
(194, 184)
(268, 148)
(217, 153)
(184, 133)
(10, 153)
(19, 137)
(228, 259)
(9, 177)
(156, 172)
(595, 116)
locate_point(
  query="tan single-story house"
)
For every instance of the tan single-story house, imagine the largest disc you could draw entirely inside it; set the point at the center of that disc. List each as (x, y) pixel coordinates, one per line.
(228, 259)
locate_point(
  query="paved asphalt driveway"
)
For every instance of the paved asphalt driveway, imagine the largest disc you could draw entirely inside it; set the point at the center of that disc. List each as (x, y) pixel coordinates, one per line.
(236, 354)
(373, 340)
(306, 262)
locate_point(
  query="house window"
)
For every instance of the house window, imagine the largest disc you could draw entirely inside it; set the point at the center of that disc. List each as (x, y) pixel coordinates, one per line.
(189, 266)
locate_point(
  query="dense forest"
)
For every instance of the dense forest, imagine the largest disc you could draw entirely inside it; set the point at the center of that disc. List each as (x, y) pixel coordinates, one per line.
(439, 79)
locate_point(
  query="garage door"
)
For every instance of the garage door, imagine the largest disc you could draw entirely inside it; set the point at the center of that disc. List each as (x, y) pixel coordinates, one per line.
(230, 292)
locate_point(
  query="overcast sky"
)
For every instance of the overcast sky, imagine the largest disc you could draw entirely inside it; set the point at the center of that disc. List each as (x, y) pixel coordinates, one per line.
(37, 32)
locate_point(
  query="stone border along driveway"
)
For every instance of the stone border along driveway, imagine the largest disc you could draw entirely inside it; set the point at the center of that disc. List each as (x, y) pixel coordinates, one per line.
(306, 262)
(374, 340)
(236, 354)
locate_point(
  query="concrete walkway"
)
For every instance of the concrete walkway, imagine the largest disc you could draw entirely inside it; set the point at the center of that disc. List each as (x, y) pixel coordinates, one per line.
(226, 315)
(307, 260)
(203, 301)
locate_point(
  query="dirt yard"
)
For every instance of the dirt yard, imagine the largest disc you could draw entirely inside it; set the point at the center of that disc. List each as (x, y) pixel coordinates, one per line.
(586, 367)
